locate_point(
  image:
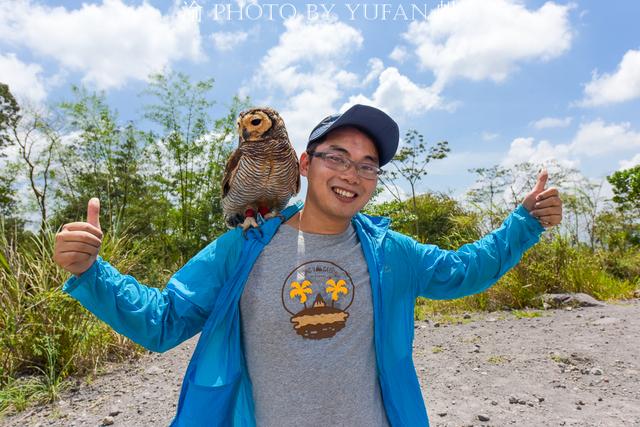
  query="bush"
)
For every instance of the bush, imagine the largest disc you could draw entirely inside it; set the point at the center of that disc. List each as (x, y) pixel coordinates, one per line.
(551, 266)
(45, 335)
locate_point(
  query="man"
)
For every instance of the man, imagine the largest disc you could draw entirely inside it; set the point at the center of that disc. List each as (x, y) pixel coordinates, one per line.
(309, 322)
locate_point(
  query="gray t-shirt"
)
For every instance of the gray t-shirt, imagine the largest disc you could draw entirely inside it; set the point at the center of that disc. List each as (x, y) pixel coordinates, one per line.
(307, 326)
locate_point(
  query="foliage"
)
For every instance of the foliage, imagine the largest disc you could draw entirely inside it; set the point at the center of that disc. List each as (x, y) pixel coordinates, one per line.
(45, 335)
(626, 190)
(551, 266)
(9, 116)
(410, 164)
(500, 189)
(441, 219)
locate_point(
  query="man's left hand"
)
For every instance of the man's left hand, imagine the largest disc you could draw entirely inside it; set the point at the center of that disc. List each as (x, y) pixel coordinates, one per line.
(545, 205)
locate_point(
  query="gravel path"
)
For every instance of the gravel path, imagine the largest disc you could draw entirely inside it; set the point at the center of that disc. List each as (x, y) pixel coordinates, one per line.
(566, 368)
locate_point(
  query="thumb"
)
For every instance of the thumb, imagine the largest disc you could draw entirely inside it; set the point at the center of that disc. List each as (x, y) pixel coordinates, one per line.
(93, 212)
(543, 176)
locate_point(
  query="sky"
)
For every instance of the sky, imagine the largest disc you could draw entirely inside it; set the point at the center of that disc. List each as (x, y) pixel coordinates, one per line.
(503, 81)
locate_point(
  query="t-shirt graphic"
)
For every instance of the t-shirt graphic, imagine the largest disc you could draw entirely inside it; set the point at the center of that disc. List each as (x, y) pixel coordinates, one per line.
(330, 288)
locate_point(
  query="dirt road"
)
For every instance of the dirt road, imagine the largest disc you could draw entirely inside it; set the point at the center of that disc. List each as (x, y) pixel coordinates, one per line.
(565, 368)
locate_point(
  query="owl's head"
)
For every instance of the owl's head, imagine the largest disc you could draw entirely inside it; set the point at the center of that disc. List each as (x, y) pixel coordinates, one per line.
(258, 123)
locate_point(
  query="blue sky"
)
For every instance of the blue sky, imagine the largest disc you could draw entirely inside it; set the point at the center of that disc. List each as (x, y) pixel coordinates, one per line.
(503, 81)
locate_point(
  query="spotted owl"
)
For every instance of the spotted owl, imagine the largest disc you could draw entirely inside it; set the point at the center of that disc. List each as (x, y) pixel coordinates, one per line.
(263, 173)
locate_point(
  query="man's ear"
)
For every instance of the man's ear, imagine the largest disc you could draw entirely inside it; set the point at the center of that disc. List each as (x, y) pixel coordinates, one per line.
(304, 163)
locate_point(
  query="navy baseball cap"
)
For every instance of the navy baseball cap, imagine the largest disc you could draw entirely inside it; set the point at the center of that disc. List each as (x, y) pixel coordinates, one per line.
(381, 128)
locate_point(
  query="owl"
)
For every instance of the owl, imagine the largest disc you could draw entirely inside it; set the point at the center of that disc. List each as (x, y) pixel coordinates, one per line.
(263, 173)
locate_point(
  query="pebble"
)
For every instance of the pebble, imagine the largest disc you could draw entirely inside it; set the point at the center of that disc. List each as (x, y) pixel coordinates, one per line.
(483, 417)
(114, 412)
(595, 371)
(494, 403)
(107, 421)
(442, 414)
(466, 316)
(154, 370)
(436, 325)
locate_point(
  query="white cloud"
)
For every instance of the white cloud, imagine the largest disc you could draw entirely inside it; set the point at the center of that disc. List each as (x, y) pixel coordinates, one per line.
(399, 54)
(623, 85)
(634, 161)
(376, 66)
(597, 137)
(527, 150)
(489, 136)
(24, 80)
(487, 39)
(397, 94)
(306, 68)
(226, 41)
(110, 43)
(552, 122)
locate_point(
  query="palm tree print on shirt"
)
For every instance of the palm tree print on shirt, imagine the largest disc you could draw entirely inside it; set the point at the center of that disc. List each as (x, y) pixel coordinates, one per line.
(300, 290)
(321, 281)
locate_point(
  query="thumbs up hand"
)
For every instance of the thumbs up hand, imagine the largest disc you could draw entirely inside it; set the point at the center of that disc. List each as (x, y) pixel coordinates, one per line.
(545, 205)
(78, 243)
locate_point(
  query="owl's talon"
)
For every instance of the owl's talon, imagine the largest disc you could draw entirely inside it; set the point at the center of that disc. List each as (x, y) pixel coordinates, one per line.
(271, 214)
(249, 222)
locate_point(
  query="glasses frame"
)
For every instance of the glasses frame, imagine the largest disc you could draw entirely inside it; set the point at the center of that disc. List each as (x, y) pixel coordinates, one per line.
(346, 163)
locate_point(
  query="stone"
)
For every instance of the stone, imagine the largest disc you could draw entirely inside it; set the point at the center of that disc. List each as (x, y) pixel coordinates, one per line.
(483, 417)
(570, 300)
(595, 371)
(107, 421)
(154, 370)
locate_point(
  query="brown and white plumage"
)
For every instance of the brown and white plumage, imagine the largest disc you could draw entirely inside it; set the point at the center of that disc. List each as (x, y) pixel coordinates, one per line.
(263, 173)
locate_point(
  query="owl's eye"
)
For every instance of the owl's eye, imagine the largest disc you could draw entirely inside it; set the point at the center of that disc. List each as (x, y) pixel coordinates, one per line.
(256, 122)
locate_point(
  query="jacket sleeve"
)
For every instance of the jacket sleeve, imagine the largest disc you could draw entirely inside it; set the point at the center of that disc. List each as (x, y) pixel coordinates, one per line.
(157, 319)
(445, 274)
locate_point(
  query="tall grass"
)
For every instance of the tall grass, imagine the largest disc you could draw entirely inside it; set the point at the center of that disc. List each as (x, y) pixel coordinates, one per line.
(45, 335)
(551, 266)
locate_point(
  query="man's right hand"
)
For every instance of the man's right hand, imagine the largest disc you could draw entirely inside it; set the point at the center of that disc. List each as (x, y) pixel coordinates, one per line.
(78, 243)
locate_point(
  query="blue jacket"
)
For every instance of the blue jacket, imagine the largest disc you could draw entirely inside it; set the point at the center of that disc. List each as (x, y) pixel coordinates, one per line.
(204, 296)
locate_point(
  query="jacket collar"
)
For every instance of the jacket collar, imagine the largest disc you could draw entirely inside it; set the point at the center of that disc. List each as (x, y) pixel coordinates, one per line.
(374, 226)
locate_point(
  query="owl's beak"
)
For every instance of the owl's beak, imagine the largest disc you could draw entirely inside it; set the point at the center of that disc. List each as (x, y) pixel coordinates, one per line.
(245, 134)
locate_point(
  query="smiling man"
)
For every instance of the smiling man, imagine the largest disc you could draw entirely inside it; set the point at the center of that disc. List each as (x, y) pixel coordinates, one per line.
(307, 322)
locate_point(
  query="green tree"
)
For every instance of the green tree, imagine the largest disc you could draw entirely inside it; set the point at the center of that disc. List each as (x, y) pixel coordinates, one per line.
(104, 159)
(626, 190)
(442, 220)
(9, 117)
(190, 152)
(410, 164)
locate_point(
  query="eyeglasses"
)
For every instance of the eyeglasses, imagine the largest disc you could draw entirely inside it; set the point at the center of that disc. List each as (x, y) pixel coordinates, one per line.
(342, 164)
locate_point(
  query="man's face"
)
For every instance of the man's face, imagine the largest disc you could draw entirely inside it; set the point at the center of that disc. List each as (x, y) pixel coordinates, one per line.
(339, 195)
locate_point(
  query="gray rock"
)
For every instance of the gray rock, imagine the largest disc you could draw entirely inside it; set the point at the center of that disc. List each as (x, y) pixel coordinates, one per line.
(154, 370)
(107, 421)
(595, 371)
(570, 300)
(483, 417)
(114, 412)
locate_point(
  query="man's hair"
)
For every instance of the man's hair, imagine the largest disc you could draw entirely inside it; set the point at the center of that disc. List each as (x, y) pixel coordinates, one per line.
(312, 147)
